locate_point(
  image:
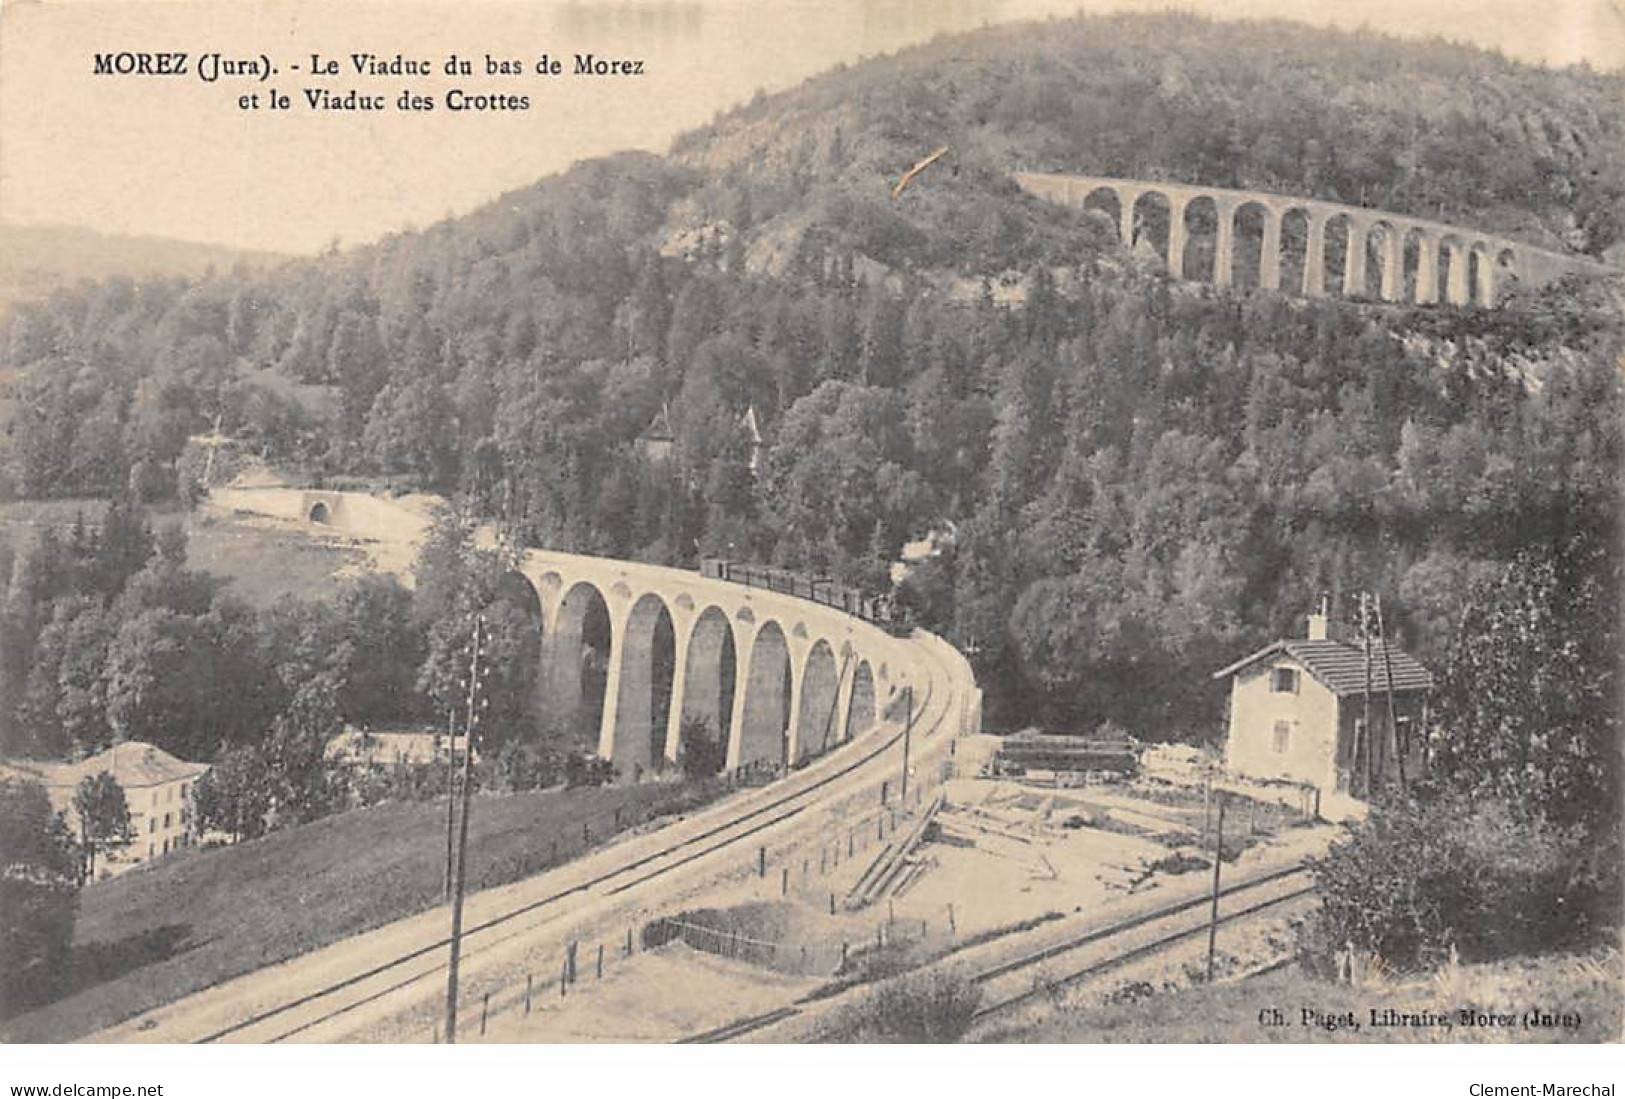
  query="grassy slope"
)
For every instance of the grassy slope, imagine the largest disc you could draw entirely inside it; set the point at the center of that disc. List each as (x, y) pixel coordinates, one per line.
(1588, 985)
(306, 567)
(201, 916)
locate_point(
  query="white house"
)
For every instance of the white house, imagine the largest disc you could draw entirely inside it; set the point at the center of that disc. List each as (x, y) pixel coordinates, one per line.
(1298, 712)
(158, 788)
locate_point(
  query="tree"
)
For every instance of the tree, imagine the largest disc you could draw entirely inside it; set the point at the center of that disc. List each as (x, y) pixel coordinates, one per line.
(104, 817)
(1528, 711)
(704, 753)
(39, 891)
(302, 786)
(233, 796)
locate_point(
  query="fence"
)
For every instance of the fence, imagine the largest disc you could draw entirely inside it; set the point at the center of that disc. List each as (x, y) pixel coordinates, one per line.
(813, 874)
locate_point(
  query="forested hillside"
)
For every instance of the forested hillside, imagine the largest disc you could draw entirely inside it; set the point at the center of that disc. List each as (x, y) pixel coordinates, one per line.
(1141, 479)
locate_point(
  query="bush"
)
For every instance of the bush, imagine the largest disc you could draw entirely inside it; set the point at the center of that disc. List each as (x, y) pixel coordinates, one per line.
(525, 765)
(703, 754)
(925, 1006)
(1417, 879)
(586, 769)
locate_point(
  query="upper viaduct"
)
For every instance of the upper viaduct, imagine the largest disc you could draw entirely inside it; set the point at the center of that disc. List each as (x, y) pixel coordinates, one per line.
(1394, 257)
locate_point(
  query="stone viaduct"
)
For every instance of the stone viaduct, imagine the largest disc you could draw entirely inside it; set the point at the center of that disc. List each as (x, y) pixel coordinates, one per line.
(784, 678)
(1389, 256)
(804, 677)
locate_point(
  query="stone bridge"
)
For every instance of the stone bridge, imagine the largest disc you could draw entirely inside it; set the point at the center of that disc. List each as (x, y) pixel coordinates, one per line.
(639, 648)
(1382, 255)
(784, 679)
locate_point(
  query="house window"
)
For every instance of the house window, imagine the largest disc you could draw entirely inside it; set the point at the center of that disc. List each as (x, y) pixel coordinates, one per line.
(166, 822)
(155, 797)
(183, 789)
(152, 825)
(1283, 737)
(1284, 681)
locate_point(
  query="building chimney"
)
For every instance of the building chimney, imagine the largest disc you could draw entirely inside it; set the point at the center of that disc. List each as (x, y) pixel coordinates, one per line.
(1319, 620)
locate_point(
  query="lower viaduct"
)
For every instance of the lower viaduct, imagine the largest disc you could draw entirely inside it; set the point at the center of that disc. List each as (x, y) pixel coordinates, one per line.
(1383, 255)
(784, 678)
(641, 649)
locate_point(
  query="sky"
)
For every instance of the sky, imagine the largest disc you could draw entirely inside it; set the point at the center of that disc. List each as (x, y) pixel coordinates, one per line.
(178, 157)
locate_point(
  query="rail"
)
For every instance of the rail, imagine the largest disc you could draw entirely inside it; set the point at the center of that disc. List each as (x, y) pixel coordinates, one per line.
(935, 710)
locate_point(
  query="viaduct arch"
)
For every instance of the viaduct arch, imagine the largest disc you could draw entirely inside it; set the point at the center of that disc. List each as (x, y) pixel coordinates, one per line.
(1453, 265)
(782, 679)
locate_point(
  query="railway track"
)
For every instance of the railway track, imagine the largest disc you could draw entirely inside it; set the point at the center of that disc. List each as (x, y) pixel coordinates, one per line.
(652, 858)
(1094, 952)
(1022, 980)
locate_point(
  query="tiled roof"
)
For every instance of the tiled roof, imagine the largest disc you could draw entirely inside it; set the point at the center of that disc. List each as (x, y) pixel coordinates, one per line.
(1341, 666)
(139, 764)
(135, 764)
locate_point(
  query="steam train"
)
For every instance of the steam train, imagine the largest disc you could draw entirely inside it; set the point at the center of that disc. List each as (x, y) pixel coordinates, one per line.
(877, 609)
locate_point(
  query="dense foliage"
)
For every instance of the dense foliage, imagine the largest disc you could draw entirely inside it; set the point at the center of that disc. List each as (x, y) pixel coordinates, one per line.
(39, 890)
(1131, 481)
(1513, 843)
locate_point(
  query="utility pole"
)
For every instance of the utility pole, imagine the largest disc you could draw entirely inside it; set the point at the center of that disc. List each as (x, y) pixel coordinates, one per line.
(460, 877)
(451, 796)
(908, 728)
(1393, 722)
(1370, 740)
(1218, 859)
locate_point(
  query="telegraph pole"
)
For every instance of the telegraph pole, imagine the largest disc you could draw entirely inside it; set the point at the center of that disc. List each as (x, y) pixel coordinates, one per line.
(1213, 917)
(908, 728)
(1393, 721)
(460, 877)
(451, 796)
(1370, 738)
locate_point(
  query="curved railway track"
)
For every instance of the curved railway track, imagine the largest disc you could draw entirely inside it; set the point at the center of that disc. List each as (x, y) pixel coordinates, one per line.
(298, 1015)
(1023, 979)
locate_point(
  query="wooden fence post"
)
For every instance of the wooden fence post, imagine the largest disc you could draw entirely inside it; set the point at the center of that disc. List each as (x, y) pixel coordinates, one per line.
(784, 882)
(600, 961)
(485, 1009)
(527, 993)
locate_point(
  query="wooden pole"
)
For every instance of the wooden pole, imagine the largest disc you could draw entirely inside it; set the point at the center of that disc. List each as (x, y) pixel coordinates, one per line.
(1213, 917)
(908, 729)
(1393, 722)
(451, 795)
(1370, 741)
(461, 875)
